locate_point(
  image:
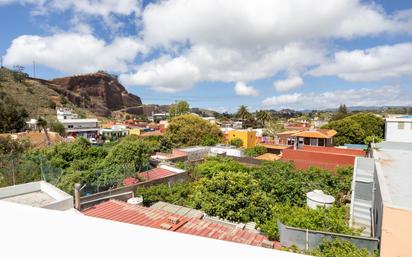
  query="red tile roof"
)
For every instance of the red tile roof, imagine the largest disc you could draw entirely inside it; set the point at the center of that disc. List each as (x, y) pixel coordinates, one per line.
(156, 173)
(150, 217)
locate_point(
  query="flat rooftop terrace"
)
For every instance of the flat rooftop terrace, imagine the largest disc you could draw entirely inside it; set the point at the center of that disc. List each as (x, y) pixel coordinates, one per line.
(395, 172)
(37, 194)
(35, 199)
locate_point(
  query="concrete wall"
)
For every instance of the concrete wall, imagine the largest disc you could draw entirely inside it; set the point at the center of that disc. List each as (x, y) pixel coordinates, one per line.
(393, 133)
(123, 193)
(396, 235)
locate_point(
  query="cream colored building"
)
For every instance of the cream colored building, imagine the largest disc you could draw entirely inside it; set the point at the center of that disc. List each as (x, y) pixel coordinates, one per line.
(382, 197)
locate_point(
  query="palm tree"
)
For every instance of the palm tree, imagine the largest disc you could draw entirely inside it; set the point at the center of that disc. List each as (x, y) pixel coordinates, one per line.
(243, 113)
(42, 124)
(263, 117)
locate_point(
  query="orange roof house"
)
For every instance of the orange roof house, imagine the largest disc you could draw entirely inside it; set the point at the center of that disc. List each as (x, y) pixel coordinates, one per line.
(313, 137)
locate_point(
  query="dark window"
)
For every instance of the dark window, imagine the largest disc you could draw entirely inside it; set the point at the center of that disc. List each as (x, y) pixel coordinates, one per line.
(307, 141)
(321, 142)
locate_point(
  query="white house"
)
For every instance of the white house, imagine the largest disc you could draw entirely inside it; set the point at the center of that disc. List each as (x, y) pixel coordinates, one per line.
(65, 113)
(88, 128)
(399, 129)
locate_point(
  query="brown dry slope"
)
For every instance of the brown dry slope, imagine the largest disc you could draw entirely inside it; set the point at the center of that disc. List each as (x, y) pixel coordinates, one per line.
(99, 92)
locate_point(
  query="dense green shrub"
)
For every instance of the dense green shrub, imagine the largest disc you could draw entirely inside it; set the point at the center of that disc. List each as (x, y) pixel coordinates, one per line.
(334, 219)
(255, 151)
(339, 248)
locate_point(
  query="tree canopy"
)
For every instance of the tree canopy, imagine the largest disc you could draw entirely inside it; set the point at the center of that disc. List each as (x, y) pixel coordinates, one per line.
(190, 130)
(263, 117)
(131, 151)
(357, 128)
(261, 194)
(179, 108)
(12, 116)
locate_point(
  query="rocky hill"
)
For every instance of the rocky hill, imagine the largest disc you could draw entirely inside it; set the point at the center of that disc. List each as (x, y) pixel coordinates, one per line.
(99, 92)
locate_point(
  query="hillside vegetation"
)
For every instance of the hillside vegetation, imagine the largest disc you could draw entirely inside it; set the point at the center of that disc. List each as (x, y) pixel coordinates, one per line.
(33, 95)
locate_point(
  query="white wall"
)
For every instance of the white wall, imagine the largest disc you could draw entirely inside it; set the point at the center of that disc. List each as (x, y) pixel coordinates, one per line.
(392, 133)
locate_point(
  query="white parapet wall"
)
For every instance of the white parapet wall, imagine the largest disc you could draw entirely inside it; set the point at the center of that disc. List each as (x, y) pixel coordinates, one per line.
(39, 194)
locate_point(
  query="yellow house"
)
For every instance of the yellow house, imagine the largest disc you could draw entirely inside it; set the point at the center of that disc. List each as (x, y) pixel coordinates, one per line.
(248, 137)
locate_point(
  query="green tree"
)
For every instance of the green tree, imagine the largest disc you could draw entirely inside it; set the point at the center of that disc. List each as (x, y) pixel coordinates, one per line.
(190, 130)
(234, 196)
(179, 108)
(58, 127)
(339, 248)
(11, 152)
(255, 151)
(341, 113)
(273, 127)
(18, 74)
(263, 117)
(42, 124)
(333, 219)
(356, 128)
(237, 142)
(243, 114)
(131, 151)
(12, 116)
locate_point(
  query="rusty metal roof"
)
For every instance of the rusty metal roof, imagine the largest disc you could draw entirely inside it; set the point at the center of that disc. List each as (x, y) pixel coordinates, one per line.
(155, 218)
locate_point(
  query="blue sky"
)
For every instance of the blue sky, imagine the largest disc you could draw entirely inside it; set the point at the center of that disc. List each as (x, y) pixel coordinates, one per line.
(266, 54)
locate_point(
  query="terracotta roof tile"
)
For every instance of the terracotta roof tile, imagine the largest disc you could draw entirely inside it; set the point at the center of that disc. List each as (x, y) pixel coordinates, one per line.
(155, 173)
(155, 218)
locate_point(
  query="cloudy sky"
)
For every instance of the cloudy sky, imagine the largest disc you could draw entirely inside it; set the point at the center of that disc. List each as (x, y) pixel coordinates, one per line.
(219, 54)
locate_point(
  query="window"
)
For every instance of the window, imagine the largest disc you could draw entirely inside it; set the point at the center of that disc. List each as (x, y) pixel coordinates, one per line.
(401, 125)
(321, 142)
(70, 126)
(307, 141)
(314, 141)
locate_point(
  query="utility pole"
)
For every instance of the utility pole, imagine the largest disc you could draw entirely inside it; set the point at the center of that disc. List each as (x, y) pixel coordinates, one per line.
(34, 69)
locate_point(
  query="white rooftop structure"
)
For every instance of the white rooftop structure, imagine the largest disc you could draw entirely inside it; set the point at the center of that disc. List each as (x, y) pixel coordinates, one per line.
(28, 231)
(399, 129)
(65, 113)
(393, 169)
(37, 194)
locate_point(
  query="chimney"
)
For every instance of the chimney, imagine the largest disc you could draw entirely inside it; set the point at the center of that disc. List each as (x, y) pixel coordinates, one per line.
(77, 188)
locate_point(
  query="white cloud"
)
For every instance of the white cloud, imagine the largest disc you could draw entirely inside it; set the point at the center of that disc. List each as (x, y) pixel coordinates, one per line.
(290, 83)
(226, 41)
(369, 65)
(73, 53)
(164, 75)
(381, 96)
(242, 40)
(244, 23)
(244, 90)
(102, 8)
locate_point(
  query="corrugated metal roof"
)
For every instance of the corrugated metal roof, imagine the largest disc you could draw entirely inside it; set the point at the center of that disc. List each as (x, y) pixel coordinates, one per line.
(156, 173)
(151, 217)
